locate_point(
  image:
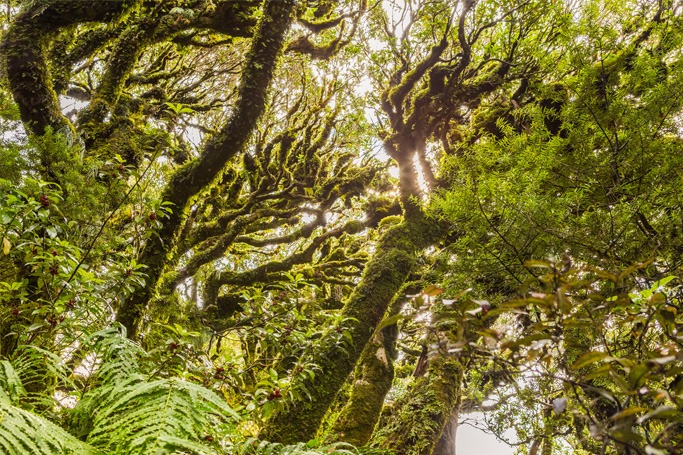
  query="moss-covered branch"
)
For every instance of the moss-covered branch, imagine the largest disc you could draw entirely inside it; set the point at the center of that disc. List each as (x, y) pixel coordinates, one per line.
(25, 47)
(196, 175)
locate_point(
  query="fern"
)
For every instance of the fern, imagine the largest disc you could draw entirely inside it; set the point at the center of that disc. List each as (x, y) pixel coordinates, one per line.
(10, 383)
(117, 355)
(254, 446)
(137, 416)
(40, 372)
(24, 433)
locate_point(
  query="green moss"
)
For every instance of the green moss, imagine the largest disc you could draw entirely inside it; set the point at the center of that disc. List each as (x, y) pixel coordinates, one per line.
(372, 381)
(197, 175)
(383, 277)
(419, 418)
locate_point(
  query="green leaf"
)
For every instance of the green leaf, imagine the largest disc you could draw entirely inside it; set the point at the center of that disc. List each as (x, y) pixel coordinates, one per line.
(628, 412)
(391, 320)
(588, 359)
(538, 264)
(432, 291)
(51, 231)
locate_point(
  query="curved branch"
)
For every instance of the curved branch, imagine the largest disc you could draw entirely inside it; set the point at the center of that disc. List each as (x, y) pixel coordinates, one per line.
(25, 48)
(196, 175)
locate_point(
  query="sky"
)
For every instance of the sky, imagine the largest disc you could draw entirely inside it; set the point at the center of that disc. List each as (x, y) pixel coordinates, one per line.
(472, 441)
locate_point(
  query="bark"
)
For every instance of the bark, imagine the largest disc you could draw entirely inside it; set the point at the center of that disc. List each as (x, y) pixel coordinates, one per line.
(383, 277)
(373, 379)
(196, 175)
(25, 48)
(417, 422)
(446, 444)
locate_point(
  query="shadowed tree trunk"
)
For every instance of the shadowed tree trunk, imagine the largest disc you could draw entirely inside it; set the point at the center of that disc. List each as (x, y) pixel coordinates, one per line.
(446, 445)
(373, 379)
(416, 423)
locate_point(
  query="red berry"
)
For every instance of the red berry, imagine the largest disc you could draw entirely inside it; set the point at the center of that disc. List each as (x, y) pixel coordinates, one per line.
(152, 216)
(15, 311)
(44, 201)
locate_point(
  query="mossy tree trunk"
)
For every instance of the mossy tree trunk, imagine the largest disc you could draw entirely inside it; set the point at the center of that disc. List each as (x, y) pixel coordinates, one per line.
(198, 174)
(373, 378)
(372, 381)
(417, 422)
(384, 275)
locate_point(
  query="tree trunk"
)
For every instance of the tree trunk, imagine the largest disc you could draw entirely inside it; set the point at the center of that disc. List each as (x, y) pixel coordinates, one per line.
(383, 277)
(446, 444)
(417, 422)
(373, 378)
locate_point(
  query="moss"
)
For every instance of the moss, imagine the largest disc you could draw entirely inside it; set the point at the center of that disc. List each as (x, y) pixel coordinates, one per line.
(372, 381)
(394, 259)
(26, 43)
(193, 177)
(419, 418)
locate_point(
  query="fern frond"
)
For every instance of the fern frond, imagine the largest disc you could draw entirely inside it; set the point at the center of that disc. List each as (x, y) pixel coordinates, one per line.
(255, 446)
(40, 372)
(24, 433)
(10, 382)
(117, 355)
(140, 417)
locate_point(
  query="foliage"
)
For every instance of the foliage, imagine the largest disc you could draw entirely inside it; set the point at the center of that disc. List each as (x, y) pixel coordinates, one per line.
(216, 215)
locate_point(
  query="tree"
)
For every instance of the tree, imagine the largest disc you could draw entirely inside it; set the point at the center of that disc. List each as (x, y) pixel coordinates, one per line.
(216, 193)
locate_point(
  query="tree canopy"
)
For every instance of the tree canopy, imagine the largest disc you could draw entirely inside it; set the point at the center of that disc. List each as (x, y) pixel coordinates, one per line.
(340, 226)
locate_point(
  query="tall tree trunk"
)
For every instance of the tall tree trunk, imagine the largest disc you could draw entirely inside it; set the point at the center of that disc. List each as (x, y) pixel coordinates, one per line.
(196, 175)
(417, 422)
(384, 275)
(446, 444)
